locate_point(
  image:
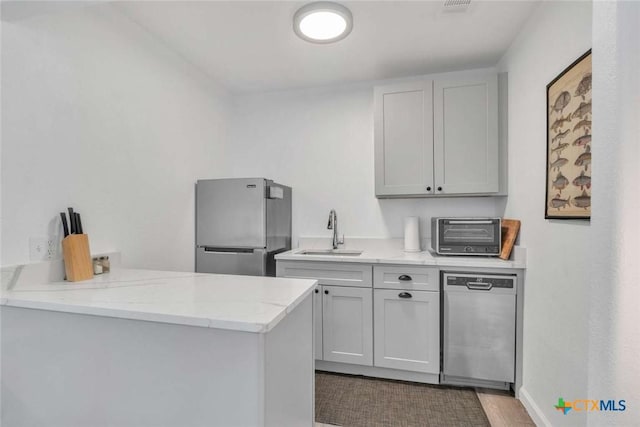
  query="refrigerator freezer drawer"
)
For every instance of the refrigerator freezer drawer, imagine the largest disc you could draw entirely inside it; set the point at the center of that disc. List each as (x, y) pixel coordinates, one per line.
(250, 262)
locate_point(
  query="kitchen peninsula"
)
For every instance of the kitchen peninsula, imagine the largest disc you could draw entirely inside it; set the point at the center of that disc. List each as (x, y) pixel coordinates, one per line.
(143, 347)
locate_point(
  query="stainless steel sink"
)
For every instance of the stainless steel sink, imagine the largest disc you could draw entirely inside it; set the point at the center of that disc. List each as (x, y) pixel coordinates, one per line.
(334, 252)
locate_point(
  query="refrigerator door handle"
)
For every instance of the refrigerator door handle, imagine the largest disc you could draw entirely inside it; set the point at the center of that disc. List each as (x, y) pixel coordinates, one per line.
(216, 250)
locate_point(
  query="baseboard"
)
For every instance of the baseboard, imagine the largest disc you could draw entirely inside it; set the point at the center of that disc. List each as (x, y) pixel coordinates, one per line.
(533, 409)
(375, 372)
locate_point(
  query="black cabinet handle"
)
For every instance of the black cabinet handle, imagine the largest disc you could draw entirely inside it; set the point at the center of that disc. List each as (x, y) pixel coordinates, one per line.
(428, 188)
(317, 291)
(326, 292)
(405, 278)
(404, 295)
(439, 188)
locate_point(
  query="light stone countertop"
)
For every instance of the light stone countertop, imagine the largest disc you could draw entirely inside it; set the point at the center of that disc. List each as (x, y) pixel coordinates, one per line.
(390, 251)
(239, 303)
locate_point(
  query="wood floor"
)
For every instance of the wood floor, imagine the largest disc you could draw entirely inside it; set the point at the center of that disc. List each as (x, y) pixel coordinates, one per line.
(502, 409)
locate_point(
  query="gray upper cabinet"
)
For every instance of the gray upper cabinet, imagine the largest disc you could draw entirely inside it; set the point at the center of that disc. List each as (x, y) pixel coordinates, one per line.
(404, 139)
(466, 135)
(438, 137)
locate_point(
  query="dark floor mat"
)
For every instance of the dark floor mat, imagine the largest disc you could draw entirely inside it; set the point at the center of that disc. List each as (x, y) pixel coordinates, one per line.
(354, 401)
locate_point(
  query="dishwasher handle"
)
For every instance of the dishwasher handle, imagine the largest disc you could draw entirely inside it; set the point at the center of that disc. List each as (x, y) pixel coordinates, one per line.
(480, 286)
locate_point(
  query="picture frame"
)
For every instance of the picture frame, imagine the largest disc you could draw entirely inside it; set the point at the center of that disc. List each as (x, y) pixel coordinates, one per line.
(568, 159)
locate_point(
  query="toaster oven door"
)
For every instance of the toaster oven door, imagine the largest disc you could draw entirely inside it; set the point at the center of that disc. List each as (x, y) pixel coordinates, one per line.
(470, 236)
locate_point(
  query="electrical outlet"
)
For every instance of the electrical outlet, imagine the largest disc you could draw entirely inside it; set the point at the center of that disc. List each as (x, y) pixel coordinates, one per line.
(42, 248)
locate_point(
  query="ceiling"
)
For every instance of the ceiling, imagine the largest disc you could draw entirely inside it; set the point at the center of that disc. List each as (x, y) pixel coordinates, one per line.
(250, 46)
(16, 10)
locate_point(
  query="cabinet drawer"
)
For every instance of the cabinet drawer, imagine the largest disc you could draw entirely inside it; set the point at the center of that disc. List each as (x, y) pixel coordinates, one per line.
(410, 278)
(329, 273)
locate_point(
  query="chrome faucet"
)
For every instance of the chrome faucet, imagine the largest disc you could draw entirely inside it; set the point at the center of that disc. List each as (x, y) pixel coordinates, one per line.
(333, 225)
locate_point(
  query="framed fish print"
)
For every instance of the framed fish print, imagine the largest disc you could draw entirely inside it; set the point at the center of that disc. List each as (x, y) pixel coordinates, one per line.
(569, 142)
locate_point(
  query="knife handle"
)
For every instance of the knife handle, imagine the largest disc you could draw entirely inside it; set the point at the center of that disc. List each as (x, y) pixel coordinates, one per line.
(78, 223)
(65, 227)
(72, 221)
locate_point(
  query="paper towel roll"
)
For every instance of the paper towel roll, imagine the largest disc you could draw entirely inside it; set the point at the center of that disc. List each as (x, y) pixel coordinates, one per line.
(412, 234)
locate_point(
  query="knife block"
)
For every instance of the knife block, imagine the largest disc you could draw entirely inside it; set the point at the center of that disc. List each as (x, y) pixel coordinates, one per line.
(77, 258)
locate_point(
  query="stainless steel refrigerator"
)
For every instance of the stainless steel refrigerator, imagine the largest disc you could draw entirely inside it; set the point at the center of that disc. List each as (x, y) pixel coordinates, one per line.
(241, 224)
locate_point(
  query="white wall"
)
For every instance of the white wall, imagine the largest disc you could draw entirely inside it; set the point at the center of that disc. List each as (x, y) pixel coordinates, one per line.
(98, 115)
(558, 252)
(320, 142)
(615, 292)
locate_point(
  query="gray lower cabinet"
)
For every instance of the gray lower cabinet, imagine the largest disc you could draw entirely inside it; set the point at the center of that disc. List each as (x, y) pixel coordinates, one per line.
(317, 322)
(407, 330)
(342, 308)
(347, 335)
(387, 316)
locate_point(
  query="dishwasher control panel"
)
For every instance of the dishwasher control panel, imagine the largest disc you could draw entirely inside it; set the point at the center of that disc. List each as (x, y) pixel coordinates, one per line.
(495, 281)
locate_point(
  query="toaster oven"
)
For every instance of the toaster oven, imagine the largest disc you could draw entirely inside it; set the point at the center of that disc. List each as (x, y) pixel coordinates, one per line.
(466, 236)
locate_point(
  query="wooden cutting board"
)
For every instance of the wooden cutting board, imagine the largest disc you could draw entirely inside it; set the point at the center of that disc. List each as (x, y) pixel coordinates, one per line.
(510, 229)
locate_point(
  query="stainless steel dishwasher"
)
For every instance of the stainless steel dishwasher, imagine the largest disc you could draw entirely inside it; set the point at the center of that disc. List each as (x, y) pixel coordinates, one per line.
(479, 329)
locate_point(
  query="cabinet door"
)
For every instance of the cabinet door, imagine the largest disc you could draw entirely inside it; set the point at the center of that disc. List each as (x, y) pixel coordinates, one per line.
(347, 325)
(407, 330)
(466, 135)
(403, 134)
(317, 322)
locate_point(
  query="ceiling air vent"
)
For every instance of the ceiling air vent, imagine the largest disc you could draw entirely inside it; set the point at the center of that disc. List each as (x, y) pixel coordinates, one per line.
(456, 5)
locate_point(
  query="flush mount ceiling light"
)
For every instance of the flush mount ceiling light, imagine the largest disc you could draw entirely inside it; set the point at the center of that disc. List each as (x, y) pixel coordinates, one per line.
(322, 22)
